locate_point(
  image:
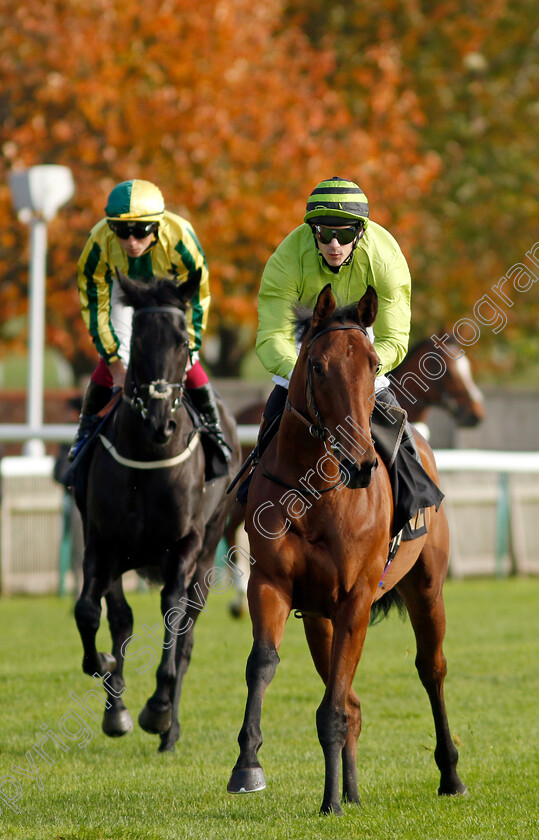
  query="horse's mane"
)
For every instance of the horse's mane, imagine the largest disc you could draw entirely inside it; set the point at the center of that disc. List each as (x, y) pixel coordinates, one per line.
(303, 316)
(155, 291)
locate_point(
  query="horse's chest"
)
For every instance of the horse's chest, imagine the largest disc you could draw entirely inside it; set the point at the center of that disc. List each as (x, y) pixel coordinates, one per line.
(145, 507)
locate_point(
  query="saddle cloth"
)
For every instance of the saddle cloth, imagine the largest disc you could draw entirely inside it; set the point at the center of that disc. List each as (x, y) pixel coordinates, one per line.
(413, 489)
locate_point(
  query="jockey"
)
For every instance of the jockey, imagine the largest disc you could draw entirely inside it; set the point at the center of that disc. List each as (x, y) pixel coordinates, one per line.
(338, 243)
(142, 239)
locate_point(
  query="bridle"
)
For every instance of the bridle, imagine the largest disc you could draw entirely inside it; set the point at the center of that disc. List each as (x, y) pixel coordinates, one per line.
(157, 389)
(319, 429)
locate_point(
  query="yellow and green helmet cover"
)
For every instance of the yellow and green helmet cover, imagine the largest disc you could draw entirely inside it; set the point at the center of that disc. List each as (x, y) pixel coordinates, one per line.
(135, 200)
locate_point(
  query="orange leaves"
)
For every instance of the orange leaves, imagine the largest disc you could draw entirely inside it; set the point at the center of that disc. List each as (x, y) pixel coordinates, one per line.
(237, 109)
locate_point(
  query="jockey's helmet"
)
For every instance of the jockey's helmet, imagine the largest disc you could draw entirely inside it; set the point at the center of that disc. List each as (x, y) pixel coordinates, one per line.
(134, 200)
(334, 200)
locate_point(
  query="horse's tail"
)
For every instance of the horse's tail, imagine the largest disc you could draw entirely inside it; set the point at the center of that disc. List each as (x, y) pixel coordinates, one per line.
(380, 609)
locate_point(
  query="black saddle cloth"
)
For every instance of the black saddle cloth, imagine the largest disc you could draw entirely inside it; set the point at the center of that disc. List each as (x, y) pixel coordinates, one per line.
(216, 464)
(413, 489)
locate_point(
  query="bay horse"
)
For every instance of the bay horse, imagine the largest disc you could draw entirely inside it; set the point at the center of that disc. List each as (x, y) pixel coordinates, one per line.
(428, 376)
(146, 506)
(431, 376)
(319, 521)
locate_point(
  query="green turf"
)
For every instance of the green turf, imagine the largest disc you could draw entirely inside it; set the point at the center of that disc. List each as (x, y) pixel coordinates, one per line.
(124, 789)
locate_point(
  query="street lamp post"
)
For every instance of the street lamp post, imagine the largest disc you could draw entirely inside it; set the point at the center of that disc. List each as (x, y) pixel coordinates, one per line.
(37, 194)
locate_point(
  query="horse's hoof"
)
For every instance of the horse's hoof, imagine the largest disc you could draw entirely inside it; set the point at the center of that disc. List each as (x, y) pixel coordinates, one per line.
(458, 790)
(246, 780)
(334, 810)
(116, 724)
(155, 722)
(166, 746)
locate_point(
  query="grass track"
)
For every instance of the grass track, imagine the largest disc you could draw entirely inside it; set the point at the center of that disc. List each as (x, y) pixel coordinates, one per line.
(113, 789)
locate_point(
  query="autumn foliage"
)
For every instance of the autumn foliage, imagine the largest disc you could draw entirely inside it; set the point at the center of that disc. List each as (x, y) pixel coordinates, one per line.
(236, 110)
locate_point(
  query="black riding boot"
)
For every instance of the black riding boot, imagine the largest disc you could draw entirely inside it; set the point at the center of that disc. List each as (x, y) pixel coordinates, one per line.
(95, 398)
(204, 401)
(271, 420)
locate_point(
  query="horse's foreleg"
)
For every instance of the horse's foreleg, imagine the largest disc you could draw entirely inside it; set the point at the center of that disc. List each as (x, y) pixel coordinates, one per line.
(422, 593)
(247, 775)
(156, 716)
(196, 594)
(184, 648)
(269, 612)
(319, 634)
(338, 717)
(88, 614)
(116, 719)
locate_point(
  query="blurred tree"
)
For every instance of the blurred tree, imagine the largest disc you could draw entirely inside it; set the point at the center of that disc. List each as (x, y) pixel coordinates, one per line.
(233, 114)
(466, 75)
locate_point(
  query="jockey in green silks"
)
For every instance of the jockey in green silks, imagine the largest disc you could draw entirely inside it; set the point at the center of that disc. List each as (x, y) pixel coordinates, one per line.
(338, 244)
(143, 239)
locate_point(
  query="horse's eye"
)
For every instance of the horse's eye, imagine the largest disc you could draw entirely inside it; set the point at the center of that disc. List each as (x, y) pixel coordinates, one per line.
(317, 368)
(378, 368)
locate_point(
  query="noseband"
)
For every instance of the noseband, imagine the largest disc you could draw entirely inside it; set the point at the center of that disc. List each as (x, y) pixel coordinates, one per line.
(158, 389)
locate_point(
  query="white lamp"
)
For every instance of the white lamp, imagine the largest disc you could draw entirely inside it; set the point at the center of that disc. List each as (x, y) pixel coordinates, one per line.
(37, 193)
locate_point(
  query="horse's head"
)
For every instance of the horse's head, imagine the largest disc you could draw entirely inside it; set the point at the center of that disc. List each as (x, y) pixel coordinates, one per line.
(436, 372)
(159, 349)
(338, 365)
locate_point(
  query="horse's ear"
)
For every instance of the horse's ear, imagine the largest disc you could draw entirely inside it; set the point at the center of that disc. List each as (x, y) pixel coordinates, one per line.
(190, 287)
(325, 306)
(367, 308)
(129, 288)
(123, 280)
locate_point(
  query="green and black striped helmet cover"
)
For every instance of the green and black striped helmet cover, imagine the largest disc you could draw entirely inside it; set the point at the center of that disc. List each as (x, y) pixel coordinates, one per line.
(337, 198)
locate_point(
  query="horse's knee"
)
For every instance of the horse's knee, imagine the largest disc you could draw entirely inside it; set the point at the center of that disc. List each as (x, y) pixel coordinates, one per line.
(262, 663)
(87, 613)
(331, 724)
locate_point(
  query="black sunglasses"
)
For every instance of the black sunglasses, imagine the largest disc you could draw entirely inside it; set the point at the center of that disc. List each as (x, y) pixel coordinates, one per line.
(140, 230)
(343, 236)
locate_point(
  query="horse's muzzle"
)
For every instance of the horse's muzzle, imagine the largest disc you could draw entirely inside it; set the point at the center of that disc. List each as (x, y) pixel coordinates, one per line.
(356, 476)
(160, 433)
(469, 419)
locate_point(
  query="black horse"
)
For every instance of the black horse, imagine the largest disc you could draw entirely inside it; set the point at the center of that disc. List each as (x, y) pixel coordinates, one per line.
(146, 505)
